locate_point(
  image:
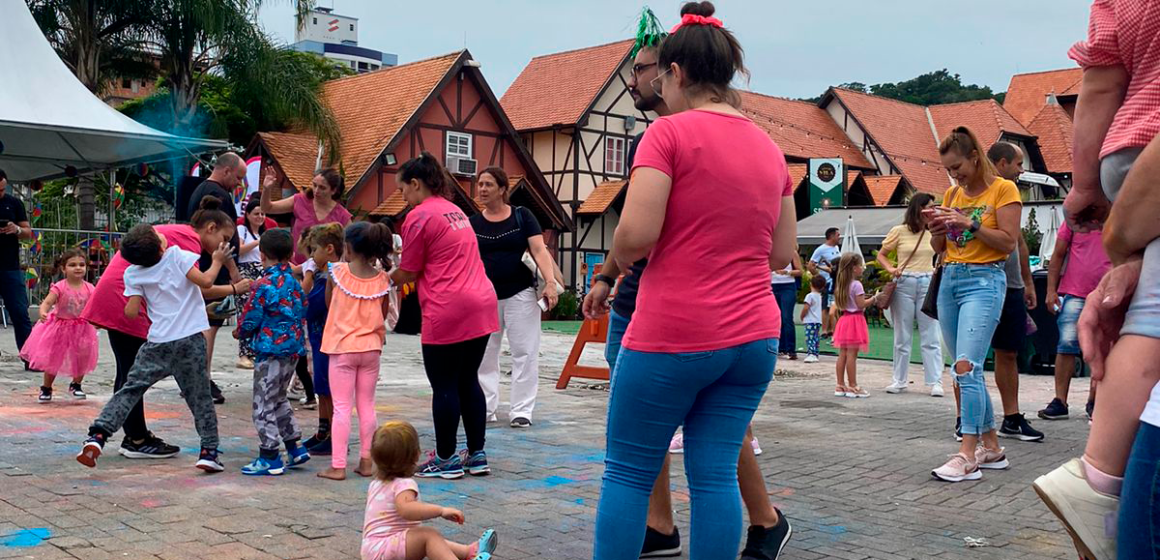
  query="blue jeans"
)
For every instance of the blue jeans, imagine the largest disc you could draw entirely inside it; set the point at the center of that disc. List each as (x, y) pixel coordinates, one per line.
(1067, 322)
(14, 292)
(786, 295)
(970, 300)
(1138, 534)
(617, 324)
(714, 394)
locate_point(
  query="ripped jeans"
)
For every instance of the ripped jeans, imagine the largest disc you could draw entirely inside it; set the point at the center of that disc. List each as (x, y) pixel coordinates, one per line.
(970, 300)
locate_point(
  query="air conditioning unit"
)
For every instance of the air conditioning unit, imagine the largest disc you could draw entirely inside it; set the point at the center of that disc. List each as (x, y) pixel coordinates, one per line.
(462, 166)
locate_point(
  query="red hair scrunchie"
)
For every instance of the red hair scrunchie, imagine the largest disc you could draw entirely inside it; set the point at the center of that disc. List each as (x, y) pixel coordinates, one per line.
(694, 19)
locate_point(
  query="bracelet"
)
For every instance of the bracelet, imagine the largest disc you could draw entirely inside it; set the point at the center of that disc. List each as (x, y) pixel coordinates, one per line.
(234, 287)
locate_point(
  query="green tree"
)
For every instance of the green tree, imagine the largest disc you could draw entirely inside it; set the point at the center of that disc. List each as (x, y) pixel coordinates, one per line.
(97, 39)
(933, 88)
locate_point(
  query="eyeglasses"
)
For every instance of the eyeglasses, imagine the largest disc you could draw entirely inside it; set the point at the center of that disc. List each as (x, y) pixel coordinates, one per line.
(655, 83)
(638, 68)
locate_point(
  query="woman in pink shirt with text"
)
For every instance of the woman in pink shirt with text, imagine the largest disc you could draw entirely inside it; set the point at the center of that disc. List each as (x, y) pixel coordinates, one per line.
(710, 198)
(441, 255)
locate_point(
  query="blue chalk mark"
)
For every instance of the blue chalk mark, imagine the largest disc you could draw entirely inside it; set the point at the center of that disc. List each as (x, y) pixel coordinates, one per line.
(556, 481)
(580, 501)
(25, 538)
(835, 531)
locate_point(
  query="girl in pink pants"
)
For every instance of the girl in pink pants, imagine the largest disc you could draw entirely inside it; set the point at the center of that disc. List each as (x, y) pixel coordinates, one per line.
(353, 338)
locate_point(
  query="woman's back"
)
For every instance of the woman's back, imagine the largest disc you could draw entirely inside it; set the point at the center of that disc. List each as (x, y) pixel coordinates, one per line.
(709, 270)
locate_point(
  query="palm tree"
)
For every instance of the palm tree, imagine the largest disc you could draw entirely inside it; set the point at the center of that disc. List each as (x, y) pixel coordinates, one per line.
(95, 38)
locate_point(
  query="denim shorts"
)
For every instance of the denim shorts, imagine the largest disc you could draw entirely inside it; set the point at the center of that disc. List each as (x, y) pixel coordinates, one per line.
(1067, 321)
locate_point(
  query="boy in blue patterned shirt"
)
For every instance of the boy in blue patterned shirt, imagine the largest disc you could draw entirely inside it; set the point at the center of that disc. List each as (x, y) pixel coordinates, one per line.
(272, 321)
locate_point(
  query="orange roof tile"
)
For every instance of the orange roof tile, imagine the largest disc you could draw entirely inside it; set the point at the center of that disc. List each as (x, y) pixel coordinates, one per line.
(986, 118)
(1054, 129)
(558, 88)
(296, 155)
(1027, 93)
(601, 198)
(882, 187)
(801, 129)
(393, 205)
(902, 130)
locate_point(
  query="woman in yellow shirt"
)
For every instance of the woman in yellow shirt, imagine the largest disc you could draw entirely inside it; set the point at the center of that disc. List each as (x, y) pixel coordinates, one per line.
(976, 228)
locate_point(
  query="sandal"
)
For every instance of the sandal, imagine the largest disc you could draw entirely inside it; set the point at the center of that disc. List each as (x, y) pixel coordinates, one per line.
(840, 391)
(856, 392)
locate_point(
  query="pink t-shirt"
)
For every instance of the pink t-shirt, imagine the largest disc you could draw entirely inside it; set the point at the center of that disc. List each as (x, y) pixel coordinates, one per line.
(856, 290)
(305, 217)
(457, 299)
(1123, 32)
(1087, 262)
(106, 307)
(707, 282)
(382, 521)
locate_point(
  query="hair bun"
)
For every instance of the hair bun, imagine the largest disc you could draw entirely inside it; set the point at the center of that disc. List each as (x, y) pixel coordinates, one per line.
(704, 9)
(210, 202)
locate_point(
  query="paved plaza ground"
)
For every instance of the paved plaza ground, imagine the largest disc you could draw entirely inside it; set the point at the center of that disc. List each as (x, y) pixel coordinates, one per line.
(853, 476)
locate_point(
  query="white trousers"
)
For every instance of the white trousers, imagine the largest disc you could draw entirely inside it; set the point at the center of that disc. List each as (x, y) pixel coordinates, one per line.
(519, 315)
(905, 309)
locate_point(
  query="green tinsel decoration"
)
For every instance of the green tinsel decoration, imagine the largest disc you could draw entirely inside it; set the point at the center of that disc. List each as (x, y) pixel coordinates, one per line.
(649, 32)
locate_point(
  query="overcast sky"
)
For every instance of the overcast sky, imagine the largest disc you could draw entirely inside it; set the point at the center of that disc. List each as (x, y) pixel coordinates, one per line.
(794, 49)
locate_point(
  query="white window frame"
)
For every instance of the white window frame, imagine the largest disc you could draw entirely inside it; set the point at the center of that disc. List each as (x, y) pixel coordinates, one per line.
(452, 147)
(614, 155)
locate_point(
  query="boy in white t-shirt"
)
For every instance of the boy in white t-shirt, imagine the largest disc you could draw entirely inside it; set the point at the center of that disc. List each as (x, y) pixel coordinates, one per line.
(169, 282)
(812, 317)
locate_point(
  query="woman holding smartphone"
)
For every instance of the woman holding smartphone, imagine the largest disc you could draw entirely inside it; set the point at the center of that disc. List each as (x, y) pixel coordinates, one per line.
(975, 229)
(505, 233)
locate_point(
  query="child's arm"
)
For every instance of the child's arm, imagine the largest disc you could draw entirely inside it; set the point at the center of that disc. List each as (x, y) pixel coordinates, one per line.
(133, 308)
(409, 507)
(307, 281)
(386, 304)
(204, 280)
(46, 306)
(863, 302)
(329, 291)
(805, 310)
(251, 317)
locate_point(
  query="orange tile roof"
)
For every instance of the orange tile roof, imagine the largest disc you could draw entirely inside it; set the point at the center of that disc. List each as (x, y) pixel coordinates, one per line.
(801, 129)
(393, 205)
(986, 118)
(902, 130)
(1054, 128)
(557, 88)
(296, 155)
(1027, 93)
(882, 187)
(601, 198)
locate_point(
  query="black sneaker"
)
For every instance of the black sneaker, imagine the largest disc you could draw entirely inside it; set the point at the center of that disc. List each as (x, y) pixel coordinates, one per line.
(152, 447)
(208, 461)
(1056, 410)
(959, 429)
(77, 393)
(767, 544)
(45, 394)
(216, 393)
(521, 422)
(1090, 409)
(91, 450)
(660, 545)
(1017, 427)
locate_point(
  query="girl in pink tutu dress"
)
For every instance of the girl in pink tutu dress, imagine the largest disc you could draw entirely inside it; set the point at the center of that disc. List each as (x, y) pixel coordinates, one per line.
(62, 343)
(851, 335)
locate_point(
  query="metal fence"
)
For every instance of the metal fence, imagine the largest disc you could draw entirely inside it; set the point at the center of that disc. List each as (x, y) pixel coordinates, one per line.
(40, 257)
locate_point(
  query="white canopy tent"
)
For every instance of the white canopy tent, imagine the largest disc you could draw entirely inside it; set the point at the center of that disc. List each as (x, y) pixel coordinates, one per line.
(49, 120)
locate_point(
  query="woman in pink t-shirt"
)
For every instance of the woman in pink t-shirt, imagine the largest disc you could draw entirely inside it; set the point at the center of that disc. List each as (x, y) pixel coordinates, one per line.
(320, 204)
(441, 254)
(710, 198)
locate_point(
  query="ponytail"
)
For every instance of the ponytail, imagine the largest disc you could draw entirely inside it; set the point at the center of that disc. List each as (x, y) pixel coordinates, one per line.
(428, 171)
(371, 241)
(964, 143)
(210, 211)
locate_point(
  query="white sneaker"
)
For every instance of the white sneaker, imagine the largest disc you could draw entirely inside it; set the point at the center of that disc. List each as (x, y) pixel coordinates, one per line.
(895, 388)
(756, 446)
(958, 469)
(937, 390)
(1088, 516)
(811, 359)
(677, 445)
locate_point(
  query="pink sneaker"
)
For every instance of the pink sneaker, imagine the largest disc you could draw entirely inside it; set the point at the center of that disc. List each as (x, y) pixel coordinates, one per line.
(957, 469)
(677, 445)
(988, 459)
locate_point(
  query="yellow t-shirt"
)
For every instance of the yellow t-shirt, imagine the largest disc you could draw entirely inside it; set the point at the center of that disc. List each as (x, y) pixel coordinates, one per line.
(962, 246)
(903, 241)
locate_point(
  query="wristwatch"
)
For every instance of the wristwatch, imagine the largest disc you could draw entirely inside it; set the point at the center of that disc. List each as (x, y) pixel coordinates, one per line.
(606, 279)
(975, 225)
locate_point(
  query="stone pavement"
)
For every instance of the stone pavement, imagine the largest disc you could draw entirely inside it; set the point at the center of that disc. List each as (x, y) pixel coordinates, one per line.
(853, 476)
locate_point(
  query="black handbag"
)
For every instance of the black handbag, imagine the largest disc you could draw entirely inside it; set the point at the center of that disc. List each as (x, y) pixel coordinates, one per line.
(930, 302)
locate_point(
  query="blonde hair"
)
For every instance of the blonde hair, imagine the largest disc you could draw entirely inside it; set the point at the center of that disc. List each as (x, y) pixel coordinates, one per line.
(395, 450)
(325, 234)
(964, 142)
(844, 278)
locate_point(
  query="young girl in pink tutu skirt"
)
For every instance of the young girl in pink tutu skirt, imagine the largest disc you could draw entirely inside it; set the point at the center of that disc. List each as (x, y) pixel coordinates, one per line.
(62, 343)
(851, 335)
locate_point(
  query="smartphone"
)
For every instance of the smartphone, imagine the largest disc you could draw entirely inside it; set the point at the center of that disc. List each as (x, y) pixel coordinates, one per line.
(543, 303)
(4, 223)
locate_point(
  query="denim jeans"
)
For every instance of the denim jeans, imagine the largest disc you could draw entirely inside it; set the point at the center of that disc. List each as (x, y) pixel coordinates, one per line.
(14, 292)
(714, 394)
(617, 324)
(786, 295)
(1067, 321)
(970, 301)
(1139, 519)
(905, 311)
